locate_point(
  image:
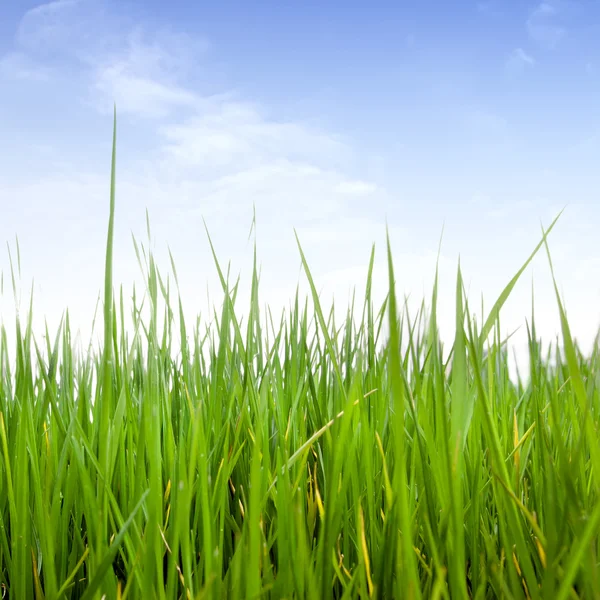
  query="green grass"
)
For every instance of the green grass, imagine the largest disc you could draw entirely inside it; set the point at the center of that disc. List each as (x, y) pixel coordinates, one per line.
(301, 457)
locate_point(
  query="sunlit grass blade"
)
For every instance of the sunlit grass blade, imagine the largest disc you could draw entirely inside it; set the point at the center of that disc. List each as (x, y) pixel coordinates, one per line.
(408, 584)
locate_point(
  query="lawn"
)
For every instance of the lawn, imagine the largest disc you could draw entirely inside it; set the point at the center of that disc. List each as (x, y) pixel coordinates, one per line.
(310, 455)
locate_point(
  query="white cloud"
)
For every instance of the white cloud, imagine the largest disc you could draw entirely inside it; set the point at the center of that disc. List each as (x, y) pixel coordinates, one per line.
(17, 65)
(54, 26)
(543, 25)
(489, 7)
(138, 96)
(120, 60)
(519, 61)
(487, 123)
(225, 131)
(356, 188)
(144, 76)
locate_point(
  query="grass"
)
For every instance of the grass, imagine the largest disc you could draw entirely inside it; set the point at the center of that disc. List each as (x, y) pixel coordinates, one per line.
(297, 458)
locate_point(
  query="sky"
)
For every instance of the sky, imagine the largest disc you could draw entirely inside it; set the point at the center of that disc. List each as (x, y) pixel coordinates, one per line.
(473, 123)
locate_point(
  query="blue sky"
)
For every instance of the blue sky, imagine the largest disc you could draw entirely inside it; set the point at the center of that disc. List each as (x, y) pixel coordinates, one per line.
(329, 117)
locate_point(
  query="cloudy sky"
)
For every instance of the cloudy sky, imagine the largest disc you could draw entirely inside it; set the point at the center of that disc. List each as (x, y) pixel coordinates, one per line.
(332, 118)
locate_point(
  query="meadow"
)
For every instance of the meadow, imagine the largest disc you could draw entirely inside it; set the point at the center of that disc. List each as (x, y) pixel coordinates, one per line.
(308, 455)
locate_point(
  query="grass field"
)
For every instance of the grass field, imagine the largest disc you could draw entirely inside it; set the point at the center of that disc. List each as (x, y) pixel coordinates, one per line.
(301, 457)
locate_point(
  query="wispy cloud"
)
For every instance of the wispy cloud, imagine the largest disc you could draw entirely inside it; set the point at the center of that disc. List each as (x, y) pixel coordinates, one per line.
(489, 7)
(139, 96)
(225, 130)
(356, 188)
(544, 25)
(59, 29)
(17, 65)
(145, 74)
(487, 123)
(120, 61)
(519, 61)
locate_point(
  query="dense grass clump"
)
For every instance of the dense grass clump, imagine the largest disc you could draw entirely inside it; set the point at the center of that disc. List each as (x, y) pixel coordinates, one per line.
(304, 458)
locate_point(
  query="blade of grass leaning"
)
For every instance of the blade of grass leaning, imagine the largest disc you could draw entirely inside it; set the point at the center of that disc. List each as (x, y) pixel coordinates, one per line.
(495, 311)
(576, 378)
